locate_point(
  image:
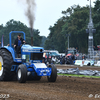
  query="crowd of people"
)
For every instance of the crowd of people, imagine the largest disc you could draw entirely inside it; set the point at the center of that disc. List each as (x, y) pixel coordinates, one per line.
(68, 59)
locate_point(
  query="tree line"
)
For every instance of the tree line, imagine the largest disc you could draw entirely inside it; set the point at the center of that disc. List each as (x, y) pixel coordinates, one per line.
(74, 22)
(13, 25)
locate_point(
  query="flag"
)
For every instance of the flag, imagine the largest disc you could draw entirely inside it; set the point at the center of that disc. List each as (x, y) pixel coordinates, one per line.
(2, 42)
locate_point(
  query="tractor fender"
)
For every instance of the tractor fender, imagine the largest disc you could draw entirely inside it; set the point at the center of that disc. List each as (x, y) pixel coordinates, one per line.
(10, 50)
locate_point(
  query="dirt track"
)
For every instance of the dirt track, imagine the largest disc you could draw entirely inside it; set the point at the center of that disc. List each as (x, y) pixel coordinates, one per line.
(65, 88)
(81, 68)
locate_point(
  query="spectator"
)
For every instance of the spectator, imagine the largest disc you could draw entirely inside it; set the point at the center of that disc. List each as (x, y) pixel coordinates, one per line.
(66, 52)
(73, 58)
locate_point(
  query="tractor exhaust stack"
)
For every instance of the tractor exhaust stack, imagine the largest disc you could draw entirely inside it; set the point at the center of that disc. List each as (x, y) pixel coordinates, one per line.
(31, 33)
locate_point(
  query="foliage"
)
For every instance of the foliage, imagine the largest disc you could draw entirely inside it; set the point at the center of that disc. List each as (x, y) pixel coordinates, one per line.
(13, 25)
(96, 20)
(76, 26)
(75, 75)
(43, 41)
(73, 22)
(55, 40)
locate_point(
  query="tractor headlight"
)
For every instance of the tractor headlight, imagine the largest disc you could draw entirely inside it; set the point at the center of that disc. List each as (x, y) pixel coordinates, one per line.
(23, 58)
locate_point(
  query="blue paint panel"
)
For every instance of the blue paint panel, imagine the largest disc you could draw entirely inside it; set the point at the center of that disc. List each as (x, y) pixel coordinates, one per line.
(18, 60)
(14, 67)
(40, 71)
(27, 49)
(43, 71)
(11, 50)
(30, 70)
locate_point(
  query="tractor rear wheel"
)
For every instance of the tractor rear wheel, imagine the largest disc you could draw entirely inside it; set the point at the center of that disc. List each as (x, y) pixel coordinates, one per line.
(53, 76)
(22, 73)
(6, 62)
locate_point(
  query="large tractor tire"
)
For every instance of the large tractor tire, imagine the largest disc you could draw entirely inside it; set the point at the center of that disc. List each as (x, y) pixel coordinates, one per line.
(53, 76)
(34, 77)
(22, 73)
(6, 62)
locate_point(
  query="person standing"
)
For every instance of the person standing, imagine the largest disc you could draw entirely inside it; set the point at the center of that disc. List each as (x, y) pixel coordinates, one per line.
(66, 52)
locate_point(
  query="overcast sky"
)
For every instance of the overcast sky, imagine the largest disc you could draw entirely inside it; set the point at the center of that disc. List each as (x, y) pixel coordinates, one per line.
(47, 12)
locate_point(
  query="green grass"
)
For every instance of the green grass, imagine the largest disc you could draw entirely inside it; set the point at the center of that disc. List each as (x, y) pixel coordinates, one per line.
(74, 75)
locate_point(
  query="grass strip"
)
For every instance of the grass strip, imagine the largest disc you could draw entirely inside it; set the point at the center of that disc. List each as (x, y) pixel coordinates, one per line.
(74, 75)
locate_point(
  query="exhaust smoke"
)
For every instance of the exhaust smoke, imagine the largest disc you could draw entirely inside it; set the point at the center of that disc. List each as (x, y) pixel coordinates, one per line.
(29, 13)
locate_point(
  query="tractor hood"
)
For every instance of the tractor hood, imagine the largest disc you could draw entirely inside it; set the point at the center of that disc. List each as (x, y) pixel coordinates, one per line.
(31, 49)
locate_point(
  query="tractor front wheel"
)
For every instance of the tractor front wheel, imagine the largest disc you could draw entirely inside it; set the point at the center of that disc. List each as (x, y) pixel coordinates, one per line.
(22, 73)
(53, 76)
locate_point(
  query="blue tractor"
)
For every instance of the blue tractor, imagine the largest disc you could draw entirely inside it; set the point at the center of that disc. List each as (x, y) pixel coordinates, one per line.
(29, 66)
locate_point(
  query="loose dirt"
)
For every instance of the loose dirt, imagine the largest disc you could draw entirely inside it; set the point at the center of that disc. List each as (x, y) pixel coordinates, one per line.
(65, 88)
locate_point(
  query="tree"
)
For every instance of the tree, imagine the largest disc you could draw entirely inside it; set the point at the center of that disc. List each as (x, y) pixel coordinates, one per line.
(36, 38)
(74, 21)
(13, 25)
(55, 40)
(43, 41)
(96, 20)
(76, 25)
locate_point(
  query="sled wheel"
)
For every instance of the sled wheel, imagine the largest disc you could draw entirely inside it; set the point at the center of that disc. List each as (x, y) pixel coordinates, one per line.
(22, 73)
(53, 76)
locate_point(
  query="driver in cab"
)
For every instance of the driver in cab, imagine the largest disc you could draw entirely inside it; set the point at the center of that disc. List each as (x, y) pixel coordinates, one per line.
(17, 44)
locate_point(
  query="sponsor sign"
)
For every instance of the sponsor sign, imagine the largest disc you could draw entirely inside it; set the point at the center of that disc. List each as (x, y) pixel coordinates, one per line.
(98, 63)
(92, 62)
(86, 62)
(78, 62)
